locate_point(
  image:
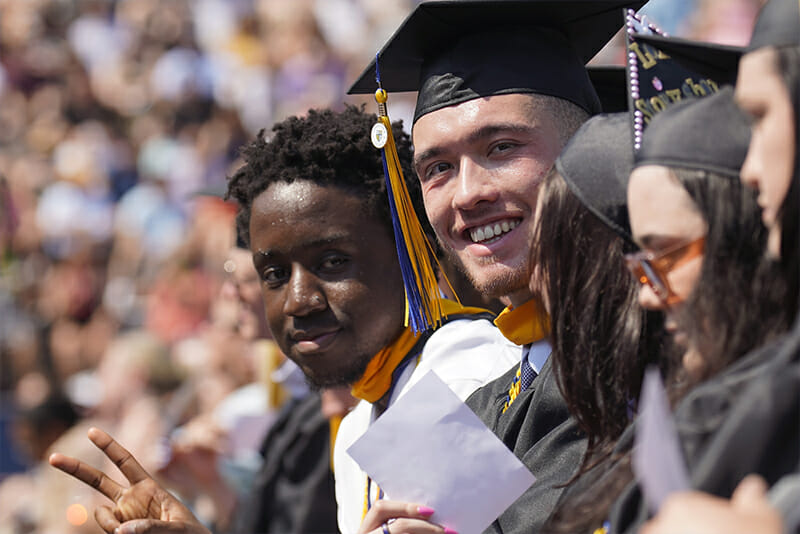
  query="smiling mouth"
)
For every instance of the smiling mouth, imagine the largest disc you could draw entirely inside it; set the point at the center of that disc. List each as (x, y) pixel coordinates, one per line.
(489, 233)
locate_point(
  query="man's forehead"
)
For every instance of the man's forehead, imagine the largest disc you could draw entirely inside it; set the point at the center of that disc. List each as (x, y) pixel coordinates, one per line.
(533, 108)
(511, 111)
(308, 242)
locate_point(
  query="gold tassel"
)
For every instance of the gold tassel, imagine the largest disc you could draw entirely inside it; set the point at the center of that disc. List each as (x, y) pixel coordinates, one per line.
(423, 306)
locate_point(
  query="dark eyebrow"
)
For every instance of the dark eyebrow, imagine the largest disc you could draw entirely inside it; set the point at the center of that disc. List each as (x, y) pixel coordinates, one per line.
(484, 132)
(656, 241)
(324, 241)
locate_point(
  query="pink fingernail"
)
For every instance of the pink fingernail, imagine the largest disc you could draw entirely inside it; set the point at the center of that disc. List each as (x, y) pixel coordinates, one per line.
(448, 530)
(425, 510)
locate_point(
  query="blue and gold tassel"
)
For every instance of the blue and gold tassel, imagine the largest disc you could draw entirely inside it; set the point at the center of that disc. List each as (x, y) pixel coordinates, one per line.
(423, 307)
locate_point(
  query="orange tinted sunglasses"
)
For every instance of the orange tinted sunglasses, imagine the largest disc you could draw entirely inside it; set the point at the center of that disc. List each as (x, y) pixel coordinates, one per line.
(652, 268)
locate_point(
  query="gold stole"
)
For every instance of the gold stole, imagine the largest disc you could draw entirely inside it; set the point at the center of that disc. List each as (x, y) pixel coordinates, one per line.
(522, 325)
(377, 378)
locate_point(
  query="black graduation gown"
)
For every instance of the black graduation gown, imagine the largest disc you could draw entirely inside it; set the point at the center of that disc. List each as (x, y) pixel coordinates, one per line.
(293, 493)
(745, 420)
(538, 428)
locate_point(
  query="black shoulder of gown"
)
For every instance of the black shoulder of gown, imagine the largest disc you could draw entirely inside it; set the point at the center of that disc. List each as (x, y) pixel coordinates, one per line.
(538, 428)
(744, 420)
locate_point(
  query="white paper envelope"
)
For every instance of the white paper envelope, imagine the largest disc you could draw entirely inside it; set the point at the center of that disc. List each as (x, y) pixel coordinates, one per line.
(657, 458)
(430, 448)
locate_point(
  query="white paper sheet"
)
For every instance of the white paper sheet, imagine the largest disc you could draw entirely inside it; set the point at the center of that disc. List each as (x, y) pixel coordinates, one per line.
(430, 448)
(657, 458)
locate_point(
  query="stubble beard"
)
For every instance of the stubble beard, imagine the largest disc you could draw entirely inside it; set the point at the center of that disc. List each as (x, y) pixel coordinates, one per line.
(506, 281)
(345, 376)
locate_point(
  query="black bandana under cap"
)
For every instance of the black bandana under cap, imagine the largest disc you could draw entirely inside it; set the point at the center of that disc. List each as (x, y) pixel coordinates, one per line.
(596, 164)
(709, 134)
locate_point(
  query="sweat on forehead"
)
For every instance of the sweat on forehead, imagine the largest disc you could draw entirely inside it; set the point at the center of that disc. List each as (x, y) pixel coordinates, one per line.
(324, 147)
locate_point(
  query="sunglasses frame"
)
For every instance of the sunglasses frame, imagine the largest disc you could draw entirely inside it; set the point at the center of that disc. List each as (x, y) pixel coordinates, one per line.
(652, 268)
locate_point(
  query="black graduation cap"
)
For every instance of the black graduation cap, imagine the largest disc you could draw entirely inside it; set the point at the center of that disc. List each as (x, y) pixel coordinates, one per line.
(663, 71)
(454, 51)
(715, 61)
(778, 24)
(596, 164)
(710, 134)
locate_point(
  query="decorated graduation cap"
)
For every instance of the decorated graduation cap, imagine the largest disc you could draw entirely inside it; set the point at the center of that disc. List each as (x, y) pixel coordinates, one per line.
(778, 24)
(709, 134)
(596, 164)
(454, 51)
(663, 71)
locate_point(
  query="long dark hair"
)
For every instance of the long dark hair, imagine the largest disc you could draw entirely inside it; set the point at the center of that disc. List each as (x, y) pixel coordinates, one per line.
(788, 65)
(601, 339)
(729, 310)
(735, 305)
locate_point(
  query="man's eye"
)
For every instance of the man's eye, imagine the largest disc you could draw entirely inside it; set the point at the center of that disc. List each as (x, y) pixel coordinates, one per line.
(274, 275)
(437, 169)
(332, 263)
(503, 146)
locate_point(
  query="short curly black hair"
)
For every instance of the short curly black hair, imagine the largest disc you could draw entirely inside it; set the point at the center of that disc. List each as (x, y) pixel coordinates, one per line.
(328, 148)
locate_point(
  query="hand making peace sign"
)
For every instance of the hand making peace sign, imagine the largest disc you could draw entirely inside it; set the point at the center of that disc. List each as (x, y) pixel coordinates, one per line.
(142, 508)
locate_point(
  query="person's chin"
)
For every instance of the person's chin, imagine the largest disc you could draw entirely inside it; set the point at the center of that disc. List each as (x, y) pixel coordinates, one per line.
(774, 242)
(495, 279)
(321, 376)
(693, 363)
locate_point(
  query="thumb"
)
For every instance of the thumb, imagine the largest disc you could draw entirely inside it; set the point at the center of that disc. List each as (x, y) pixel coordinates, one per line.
(751, 490)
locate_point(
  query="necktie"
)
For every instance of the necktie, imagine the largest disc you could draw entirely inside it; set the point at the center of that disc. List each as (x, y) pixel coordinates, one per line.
(527, 374)
(521, 382)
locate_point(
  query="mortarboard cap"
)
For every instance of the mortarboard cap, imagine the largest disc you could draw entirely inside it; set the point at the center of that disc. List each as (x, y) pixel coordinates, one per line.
(455, 51)
(596, 164)
(778, 24)
(715, 61)
(710, 134)
(658, 80)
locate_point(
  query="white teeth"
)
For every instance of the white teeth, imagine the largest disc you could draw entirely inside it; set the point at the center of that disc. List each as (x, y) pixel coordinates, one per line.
(491, 231)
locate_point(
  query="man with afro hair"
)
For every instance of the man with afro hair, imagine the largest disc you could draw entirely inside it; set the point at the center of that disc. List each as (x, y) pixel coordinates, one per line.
(315, 214)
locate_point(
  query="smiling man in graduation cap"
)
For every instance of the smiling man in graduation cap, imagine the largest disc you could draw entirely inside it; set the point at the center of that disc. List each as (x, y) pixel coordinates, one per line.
(502, 85)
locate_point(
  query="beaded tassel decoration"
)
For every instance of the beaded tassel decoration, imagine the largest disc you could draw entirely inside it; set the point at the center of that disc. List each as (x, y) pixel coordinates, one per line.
(656, 81)
(423, 307)
(635, 24)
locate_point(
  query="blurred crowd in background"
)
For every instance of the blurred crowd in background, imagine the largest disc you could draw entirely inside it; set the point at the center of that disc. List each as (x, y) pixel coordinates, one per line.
(124, 302)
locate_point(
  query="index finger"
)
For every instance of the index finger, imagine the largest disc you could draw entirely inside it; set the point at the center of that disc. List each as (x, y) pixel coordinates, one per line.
(87, 474)
(118, 454)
